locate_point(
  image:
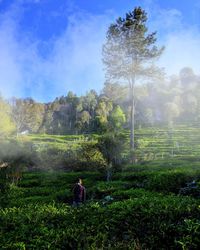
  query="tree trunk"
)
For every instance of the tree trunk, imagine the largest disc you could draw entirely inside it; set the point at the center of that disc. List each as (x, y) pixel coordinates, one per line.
(109, 172)
(132, 125)
(132, 128)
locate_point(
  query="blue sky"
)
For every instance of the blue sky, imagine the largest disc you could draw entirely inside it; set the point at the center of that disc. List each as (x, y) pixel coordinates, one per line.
(49, 47)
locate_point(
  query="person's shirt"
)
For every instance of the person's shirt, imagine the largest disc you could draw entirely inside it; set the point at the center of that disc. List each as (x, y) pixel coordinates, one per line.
(79, 193)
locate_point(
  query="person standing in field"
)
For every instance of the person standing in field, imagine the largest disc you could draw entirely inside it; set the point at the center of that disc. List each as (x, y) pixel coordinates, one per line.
(79, 193)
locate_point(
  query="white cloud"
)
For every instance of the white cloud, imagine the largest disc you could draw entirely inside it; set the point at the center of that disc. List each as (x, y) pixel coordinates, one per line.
(77, 54)
(182, 49)
(168, 20)
(181, 41)
(74, 61)
(10, 75)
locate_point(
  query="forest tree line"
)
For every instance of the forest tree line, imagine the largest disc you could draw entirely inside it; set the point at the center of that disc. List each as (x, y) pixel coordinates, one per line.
(166, 102)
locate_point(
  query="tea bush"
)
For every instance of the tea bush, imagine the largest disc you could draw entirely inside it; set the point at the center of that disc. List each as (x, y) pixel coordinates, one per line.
(146, 220)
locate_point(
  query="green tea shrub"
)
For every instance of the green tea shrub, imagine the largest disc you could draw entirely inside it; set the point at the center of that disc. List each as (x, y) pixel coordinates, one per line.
(64, 196)
(170, 181)
(146, 220)
(103, 188)
(191, 189)
(190, 234)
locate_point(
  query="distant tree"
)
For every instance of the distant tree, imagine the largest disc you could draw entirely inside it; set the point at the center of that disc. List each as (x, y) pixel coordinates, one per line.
(72, 101)
(90, 102)
(48, 124)
(148, 116)
(35, 116)
(117, 118)
(6, 124)
(116, 92)
(83, 121)
(171, 112)
(18, 111)
(129, 54)
(27, 114)
(103, 109)
(187, 77)
(61, 115)
(190, 89)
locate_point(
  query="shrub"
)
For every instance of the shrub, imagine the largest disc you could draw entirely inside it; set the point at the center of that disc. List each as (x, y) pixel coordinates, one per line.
(147, 220)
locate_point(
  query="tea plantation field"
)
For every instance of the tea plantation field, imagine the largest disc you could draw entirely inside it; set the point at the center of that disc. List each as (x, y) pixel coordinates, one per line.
(153, 204)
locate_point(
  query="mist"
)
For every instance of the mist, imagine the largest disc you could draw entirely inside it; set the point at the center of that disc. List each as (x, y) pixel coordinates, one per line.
(51, 79)
(72, 60)
(99, 124)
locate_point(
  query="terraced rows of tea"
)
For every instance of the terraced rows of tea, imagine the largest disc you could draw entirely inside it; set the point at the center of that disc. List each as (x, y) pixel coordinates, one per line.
(62, 142)
(138, 209)
(153, 204)
(182, 142)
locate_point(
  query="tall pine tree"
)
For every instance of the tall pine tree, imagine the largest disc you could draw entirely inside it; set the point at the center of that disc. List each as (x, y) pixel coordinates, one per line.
(129, 55)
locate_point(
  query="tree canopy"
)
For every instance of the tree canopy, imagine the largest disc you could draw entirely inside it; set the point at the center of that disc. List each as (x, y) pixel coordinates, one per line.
(129, 54)
(7, 126)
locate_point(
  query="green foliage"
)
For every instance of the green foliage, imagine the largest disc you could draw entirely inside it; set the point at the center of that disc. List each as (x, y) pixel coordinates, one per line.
(92, 157)
(6, 124)
(112, 145)
(129, 54)
(117, 118)
(27, 114)
(191, 233)
(178, 145)
(38, 214)
(162, 102)
(142, 207)
(102, 111)
(147, 220)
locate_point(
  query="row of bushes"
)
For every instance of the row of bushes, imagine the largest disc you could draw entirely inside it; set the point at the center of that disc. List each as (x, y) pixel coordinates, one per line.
(161, 176)
(57, 186)
(67, 155)
(145, 221)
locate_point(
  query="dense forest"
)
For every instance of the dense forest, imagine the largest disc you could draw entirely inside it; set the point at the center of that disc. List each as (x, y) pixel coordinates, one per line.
(169, 101)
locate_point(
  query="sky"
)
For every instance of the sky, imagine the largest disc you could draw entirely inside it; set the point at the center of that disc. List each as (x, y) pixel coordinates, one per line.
(50, 47)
